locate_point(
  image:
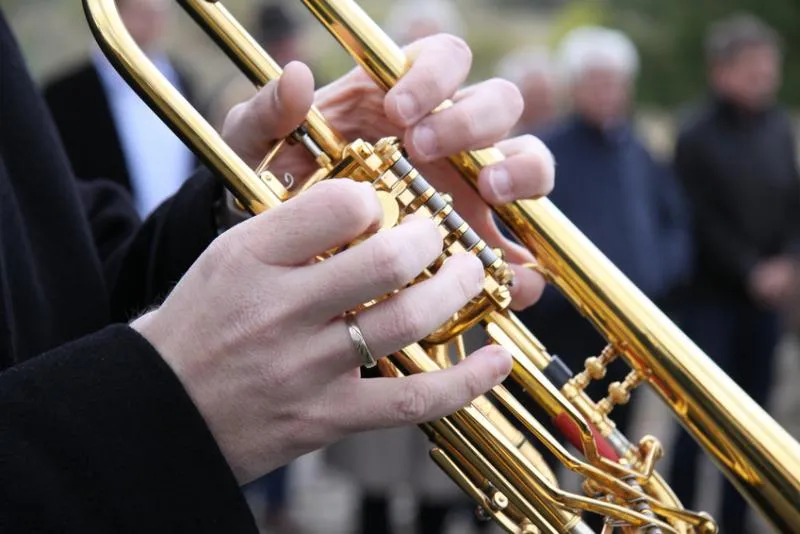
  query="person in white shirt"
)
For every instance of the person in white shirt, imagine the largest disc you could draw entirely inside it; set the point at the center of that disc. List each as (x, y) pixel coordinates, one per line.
(109, 132)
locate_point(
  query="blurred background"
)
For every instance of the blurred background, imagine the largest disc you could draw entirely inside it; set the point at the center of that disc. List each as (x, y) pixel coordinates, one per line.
(519, 40)
(669, 35)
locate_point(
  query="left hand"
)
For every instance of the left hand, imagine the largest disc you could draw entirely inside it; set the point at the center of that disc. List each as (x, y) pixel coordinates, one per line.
(482, 115)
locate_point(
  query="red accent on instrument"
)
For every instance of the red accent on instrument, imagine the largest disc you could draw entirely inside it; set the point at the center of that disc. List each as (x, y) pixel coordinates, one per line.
(570, 431)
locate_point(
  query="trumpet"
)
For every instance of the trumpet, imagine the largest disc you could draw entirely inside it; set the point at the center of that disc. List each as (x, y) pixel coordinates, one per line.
(486, 447)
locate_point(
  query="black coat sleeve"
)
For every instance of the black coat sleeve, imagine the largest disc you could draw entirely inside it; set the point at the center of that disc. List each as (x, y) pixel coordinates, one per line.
(99, 436)
(717, 245)
(142, 262)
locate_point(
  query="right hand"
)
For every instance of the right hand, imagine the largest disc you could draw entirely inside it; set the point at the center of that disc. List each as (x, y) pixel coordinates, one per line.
(773, 281)
(254, 330)
(481, 116)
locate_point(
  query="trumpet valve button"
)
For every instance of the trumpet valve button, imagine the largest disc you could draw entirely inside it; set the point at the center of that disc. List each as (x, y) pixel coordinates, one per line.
(596, 368)
(618, 393)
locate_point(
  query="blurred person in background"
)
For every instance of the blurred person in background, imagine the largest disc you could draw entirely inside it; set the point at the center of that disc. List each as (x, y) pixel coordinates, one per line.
(736, 158)
(277, 30)
(531, 70)
(108, 131)
(410, 20)
(614, 191)
(383, 461)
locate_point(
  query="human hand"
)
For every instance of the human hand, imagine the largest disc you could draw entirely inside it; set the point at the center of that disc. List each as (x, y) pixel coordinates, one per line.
(254, 330)
(482, 115)
(772, 281)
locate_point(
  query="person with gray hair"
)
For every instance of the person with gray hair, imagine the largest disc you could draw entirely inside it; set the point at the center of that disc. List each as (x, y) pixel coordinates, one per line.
(614, 190)
(599, 66)
(108, 131)
(736, 157)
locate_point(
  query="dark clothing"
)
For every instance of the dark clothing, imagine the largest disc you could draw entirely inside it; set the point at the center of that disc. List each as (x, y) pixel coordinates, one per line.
(735, 335)
(628, 205)
(82, 114)
(96, 432)
(740, 174)
(739, 171)
(623, 200)
(375, 516)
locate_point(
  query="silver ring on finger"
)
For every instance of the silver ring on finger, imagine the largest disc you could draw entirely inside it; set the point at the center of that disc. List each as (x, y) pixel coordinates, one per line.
(359, 342)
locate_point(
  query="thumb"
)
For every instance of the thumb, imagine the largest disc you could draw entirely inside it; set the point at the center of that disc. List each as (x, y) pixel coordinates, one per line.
(278, 108)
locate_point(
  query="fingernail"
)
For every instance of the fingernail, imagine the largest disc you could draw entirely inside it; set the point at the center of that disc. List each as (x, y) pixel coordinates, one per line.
(424, 141)
(407, 107)
(502, 363)
(500, 184)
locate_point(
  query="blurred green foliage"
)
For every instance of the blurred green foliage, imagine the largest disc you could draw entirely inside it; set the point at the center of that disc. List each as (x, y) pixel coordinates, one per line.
(671, 36)
(669, 33)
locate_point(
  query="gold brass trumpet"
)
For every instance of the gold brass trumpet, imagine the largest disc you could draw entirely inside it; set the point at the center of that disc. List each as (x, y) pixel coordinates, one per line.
(485, 454)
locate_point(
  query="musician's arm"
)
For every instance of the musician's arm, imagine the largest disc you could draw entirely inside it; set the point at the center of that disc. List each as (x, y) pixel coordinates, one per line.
(142, 261)
(100, 436)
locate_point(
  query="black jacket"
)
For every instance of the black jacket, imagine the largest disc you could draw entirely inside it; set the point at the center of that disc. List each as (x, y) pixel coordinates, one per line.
(96, 432)
(740, 174)
(81, 111)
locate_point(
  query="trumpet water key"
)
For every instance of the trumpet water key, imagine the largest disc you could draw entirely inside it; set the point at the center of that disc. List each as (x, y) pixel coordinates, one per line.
(486, 447)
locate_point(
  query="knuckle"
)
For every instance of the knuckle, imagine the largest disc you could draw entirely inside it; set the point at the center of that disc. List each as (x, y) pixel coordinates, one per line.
(411, 324)
(365, 206)
(464, 122)
(225, 252)
(459, 46)
(471, 282)
(351, 204)
(429, 242)
(474, 385)
(433, 84)
(392, 262)
(233, 118)
(414, 404)
(509, 94)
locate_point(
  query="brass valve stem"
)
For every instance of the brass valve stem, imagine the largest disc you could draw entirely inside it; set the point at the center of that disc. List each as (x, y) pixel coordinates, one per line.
(619, 392)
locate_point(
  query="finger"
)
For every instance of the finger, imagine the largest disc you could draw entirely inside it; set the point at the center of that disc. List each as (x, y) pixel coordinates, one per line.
(527, 172)
(527, 288)
(389, 402)
(330, 214)
(528, 284)
(439, 65)
(383, 263)
(481, 115)
(408, 316)
(274, 112)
